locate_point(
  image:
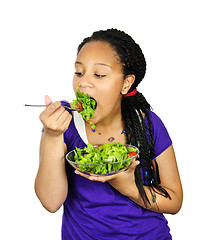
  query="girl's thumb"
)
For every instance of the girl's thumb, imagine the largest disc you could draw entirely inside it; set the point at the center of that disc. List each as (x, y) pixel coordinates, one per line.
(47, 100)
(134, 164)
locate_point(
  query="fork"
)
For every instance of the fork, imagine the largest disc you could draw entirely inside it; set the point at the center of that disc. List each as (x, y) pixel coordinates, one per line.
(43, 105)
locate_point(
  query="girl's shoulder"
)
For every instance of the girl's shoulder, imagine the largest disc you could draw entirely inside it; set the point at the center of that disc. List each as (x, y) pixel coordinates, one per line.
(154, 118)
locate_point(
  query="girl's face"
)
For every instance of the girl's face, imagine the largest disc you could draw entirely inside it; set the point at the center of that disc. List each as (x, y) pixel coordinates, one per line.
(98, 73)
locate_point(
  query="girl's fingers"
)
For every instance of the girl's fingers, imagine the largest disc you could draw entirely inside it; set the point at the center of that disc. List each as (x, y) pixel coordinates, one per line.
(133, 165)
(47, 100)
(55, 118)
(96, 178)
(50, 110)
(54, 110)
(82, 174)
(65, 120)
(101, 179)
(58, 118)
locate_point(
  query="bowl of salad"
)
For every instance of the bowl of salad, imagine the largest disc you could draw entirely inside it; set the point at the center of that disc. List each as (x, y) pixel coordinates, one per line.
(103, 160)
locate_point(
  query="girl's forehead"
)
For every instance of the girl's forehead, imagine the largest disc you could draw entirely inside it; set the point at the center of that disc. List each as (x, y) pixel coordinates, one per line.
(97, 44)
(98, 50)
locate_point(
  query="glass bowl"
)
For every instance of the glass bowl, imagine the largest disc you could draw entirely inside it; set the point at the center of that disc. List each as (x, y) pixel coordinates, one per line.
(105, 168)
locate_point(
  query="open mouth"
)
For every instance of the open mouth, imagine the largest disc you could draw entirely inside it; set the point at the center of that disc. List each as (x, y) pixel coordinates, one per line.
(95, 103)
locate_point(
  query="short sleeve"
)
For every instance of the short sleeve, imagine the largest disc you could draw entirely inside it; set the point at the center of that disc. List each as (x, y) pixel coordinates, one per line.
(161, 138)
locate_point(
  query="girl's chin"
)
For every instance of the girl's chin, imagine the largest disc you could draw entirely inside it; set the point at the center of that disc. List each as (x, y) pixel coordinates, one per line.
(94, 118)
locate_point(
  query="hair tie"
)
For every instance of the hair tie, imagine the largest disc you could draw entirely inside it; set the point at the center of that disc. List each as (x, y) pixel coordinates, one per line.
(131, 93)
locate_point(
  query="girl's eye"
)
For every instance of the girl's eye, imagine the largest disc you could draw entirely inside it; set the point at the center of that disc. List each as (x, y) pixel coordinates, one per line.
(79, 73)
(99, 75)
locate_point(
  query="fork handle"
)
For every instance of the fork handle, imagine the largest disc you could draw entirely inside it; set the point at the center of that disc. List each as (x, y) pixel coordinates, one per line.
(43, 105)
(35, 105)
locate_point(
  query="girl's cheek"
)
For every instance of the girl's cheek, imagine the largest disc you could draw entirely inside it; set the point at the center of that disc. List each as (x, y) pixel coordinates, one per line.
(75, 85)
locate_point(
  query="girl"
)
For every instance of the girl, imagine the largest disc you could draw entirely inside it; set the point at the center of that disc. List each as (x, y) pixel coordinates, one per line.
(130, 204)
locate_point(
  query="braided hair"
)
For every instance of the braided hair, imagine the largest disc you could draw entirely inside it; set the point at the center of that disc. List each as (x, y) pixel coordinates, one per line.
(134, 109)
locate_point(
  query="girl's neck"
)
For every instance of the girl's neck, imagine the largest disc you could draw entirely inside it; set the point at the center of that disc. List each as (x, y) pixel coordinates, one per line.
(113, 121)
(112, 126)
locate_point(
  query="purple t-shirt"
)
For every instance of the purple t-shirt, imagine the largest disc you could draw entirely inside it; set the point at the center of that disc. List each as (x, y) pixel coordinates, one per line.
(95, 210)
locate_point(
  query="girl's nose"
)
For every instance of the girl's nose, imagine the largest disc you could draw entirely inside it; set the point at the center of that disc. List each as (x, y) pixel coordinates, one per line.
(85, 81)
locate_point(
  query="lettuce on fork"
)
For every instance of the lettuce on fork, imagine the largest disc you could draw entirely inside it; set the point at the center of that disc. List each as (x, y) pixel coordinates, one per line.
(87, 104)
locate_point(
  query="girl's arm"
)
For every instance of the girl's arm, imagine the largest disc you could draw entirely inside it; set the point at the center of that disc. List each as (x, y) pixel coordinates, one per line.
(51, 185)
(124, 182)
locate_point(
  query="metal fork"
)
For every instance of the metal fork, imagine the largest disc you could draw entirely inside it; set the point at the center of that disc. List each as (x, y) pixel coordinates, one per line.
(43, 105)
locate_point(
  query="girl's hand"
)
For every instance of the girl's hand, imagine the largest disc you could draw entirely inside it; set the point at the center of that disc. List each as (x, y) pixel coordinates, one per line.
(125, 176)
(55, 118)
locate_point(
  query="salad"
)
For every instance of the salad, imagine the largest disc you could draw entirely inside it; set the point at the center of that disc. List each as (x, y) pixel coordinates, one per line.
(86, 104)
(107, 159)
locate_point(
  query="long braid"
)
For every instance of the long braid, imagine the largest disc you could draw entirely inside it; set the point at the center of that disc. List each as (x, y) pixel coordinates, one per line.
(134, 109)
(132, 124)
(152, 151)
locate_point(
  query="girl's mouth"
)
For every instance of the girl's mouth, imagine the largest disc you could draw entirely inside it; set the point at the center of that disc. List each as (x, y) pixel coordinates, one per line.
(95, 102)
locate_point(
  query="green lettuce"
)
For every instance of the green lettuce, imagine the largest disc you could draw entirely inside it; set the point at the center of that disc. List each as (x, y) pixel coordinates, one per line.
(88, 105)
(109, 158)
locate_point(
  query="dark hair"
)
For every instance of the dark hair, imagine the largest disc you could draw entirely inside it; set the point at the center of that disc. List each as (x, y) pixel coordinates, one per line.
(133, 108)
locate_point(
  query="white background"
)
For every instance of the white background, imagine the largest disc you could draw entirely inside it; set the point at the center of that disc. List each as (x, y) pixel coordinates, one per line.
(38, 41)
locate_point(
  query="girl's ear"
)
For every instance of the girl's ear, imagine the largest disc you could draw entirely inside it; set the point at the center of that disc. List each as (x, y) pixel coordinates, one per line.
(128, 81)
